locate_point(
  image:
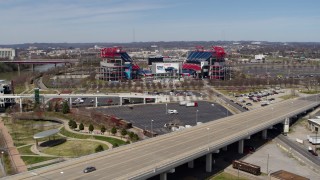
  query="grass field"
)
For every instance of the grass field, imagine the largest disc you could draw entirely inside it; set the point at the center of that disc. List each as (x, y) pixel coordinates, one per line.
(22, 131)
(26, 150)
(74, 148)
(35, 159)
(226, 176)
(113, 141)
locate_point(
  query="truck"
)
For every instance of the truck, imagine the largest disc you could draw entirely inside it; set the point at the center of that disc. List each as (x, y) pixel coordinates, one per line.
(183, 103)
(192, 104)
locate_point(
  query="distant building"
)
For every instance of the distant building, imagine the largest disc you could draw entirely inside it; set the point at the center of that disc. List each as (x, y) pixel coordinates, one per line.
(259, 57)
(7, 53)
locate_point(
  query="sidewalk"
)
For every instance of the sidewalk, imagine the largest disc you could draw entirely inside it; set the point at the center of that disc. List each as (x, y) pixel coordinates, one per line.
(17, 162)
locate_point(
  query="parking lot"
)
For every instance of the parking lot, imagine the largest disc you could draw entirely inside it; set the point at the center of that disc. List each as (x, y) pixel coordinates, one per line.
(141, 116)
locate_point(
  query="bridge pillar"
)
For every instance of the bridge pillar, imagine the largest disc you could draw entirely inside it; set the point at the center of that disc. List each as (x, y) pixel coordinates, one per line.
(240, 146)
(20, 103)
(120, 102)
(225, 148)
(248, 137)
(216, 151)
(32, 67)
(264, 133)
(70, 102)
(163, 176)
(209, 162)
(96, 101)
(144, 100)
(55, 65)
(191, 164)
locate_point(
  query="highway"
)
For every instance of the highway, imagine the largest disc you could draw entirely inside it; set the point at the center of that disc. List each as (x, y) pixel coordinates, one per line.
(156, 155)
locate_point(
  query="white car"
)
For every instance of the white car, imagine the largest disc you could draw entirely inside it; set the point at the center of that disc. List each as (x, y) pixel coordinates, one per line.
(172, 111)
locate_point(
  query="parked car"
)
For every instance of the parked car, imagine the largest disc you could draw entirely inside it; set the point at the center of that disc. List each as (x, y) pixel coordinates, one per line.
(172, 111)
(89, 169)
(249, 149)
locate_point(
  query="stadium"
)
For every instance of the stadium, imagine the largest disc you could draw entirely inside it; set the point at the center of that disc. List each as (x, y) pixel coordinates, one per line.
(207, 63)
(116, 64)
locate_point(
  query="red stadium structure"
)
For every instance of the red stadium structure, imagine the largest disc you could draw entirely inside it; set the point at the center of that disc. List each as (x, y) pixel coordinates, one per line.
(207, 63)
(116, 64)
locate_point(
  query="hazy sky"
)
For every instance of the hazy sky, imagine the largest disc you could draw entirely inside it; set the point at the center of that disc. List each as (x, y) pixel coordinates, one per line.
(28, 21)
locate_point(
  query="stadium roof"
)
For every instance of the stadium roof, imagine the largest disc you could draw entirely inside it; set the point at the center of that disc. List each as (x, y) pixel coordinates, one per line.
(47, 133)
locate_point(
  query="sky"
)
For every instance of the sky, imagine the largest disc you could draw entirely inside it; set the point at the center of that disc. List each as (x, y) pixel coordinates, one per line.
(87, 21)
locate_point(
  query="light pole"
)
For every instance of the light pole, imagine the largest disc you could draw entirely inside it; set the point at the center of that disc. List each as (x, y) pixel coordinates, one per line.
(166, 108)
(2, 161)
(151, 129)
(197, 116)
(239, 169)
(208, 138)
(268, 163)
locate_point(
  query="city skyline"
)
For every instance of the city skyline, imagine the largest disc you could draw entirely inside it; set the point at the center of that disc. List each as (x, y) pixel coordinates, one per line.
(141, 20)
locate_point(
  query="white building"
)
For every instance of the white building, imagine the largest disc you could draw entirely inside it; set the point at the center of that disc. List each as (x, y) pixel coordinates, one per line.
(259, 57)
(7, 53)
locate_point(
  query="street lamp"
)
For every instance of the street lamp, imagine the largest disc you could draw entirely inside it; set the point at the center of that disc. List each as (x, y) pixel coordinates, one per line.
(151, 128)
(208, 138)
(166, 108)
(268, 163)
(2, 162)
(239, 169)
(197, 116)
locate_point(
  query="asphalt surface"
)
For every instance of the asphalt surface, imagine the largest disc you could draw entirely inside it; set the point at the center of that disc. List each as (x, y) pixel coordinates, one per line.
(279, 69)
(141, 115)
(151, 155)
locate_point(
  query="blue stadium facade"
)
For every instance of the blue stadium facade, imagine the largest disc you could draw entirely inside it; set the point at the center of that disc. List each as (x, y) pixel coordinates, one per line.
(207, 63)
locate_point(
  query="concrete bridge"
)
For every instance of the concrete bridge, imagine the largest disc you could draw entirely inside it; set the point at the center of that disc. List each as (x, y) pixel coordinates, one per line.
(162, 154)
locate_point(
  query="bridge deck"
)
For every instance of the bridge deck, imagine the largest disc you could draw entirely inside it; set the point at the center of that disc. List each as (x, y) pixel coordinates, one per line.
(153, 156)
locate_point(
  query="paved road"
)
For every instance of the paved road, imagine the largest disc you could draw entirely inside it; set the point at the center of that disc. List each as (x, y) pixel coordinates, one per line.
(300, 149)
(152, 155)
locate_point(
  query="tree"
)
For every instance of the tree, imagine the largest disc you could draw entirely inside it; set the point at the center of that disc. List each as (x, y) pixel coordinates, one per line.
(74, 125)
(70, 123)
(65, 107)
(91, 128)
(103, 129)
(131, 134)
(50, 106)
(56, 107)
(81, 127)
(115, 145)
(99, 148)
(123, 133)
(135, 137)
(113, 131)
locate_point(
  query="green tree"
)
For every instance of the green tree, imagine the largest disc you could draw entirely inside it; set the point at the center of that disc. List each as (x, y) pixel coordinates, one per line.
(50, 106)
(56, 107)
(123, 133)
(135, 137)
(103, 129)
(99, 148)
(113, 131)
(115, 145)
(81, 127)
(70, 123)
(74, 125)
(65, 107)
(91, 128)
(131, 134)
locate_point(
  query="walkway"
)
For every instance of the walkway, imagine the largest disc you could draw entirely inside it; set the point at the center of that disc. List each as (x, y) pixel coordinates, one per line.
(12, 151)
